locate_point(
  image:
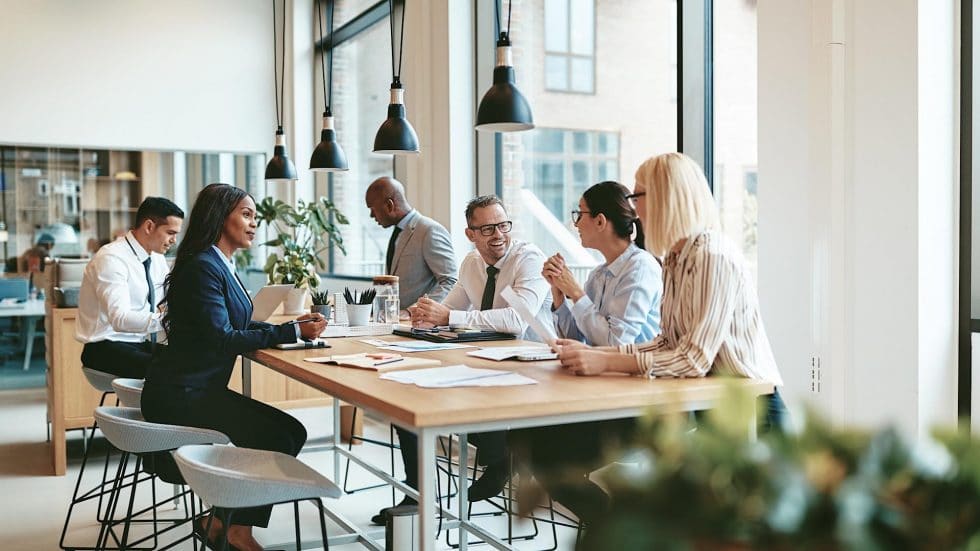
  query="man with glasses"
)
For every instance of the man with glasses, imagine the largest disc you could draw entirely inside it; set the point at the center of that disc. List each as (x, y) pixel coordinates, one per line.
(420, 251)
(475, 301)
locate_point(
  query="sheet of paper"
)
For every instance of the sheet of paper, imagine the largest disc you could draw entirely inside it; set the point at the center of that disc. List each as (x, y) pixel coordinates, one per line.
(504, 352)
(421, 346)
(458, 376)
(378, 342)
(546, 332)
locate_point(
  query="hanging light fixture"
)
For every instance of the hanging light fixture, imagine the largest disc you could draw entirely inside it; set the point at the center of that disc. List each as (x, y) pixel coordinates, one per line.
(396, 135)
(280, 168)
(503, 108)
(328, 156)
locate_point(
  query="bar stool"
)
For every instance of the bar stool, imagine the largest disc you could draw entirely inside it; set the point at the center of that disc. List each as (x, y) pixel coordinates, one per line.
(126, 430)
(233, 478)
(102, 382)
(128, 391)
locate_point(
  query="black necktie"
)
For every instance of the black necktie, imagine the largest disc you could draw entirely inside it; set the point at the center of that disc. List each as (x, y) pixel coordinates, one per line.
(151, 294)
(489, 290)
(390, 255)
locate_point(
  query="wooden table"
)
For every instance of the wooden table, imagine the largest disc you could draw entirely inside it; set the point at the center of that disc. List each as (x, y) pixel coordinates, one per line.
(559, 398)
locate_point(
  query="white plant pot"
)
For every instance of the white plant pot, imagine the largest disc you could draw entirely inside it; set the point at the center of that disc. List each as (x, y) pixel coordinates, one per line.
(295, 302)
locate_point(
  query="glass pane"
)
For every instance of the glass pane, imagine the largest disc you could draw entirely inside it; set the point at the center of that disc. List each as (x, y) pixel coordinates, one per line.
(556, 72)
(582, 75)
(736, 142)
(548, 179)
(547, 140)
(631, 107)
(345, 10)
(360, 101)
(583, 26)
(555, 25)
(608, 144)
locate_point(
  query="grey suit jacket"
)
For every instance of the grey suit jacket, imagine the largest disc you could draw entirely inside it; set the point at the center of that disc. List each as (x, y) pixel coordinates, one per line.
(424, 261)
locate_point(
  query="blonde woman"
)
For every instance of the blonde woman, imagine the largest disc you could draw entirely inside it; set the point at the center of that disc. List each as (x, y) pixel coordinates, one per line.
(710, 324)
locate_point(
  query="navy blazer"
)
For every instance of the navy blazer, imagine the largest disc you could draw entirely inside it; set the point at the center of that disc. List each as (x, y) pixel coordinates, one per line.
(210, 326)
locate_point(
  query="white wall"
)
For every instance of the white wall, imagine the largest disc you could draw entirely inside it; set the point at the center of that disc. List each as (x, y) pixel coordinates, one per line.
(180, 74)
(857, 230)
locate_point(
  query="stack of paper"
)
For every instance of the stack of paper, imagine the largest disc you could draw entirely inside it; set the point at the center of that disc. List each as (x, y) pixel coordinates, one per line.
(501, 353)
(458, 375)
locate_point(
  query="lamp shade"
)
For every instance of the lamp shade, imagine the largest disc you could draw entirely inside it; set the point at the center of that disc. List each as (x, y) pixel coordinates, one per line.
(280, 169)
(504, 108)
(328, 156)
(396, 135)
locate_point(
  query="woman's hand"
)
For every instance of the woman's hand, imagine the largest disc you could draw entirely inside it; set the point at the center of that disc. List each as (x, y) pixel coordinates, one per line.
(312, 329)
(551, 271)
(565, 282)
(583, 360)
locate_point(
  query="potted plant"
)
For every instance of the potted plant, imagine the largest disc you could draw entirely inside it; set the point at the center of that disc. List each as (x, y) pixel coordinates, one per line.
(303, 233)
(321, 302)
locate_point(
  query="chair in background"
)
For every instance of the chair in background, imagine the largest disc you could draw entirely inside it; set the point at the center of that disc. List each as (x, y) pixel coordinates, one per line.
(127, 431)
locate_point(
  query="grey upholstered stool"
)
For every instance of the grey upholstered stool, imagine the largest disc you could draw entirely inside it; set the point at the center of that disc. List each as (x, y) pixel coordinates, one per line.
(233, 478)
(102, 382)
(126, 430)
(128, 391)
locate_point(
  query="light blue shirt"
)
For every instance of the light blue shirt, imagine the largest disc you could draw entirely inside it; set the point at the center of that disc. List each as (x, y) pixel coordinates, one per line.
(407, 219)
(621, 303)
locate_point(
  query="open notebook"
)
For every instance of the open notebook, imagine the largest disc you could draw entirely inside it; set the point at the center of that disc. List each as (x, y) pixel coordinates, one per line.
(363, 360)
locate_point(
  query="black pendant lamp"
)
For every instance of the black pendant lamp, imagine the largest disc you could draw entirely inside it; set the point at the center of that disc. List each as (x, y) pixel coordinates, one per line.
(328, 156)
(280, 169)
(503, 108)
(396, 135)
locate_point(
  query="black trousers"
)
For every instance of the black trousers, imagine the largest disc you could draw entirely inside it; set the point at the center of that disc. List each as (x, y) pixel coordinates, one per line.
(247, 422)
(123, 359)
(491, 450)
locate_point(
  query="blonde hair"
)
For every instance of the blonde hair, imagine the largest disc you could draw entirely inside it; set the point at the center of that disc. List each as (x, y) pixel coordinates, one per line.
(678, 201)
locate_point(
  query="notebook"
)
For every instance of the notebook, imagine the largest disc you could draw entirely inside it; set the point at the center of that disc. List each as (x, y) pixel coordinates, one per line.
(369, 330)
(520, 353)
(377, 362)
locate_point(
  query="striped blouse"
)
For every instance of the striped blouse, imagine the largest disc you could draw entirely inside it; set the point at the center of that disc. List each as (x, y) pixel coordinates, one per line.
(710, 319)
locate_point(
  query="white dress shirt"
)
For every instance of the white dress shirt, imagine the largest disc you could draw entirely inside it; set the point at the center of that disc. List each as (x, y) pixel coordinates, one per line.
(520, 268)
(112, 303)
(621, 304)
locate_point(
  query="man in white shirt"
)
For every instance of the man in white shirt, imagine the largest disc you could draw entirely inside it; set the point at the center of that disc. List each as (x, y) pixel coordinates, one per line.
(117, 305)
(497, 262)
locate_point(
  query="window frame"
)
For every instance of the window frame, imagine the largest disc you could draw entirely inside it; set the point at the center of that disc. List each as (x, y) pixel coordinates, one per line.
(569, 55)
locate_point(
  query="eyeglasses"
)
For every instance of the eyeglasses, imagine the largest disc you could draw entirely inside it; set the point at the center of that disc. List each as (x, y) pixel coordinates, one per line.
(577, 215)
(487, 230)
(634, 196)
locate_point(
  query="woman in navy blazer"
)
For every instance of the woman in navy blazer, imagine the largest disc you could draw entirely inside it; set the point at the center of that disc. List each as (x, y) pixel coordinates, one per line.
(208, 325)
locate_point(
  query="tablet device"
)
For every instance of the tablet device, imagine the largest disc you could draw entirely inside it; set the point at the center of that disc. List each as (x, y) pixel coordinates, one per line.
(267, 300)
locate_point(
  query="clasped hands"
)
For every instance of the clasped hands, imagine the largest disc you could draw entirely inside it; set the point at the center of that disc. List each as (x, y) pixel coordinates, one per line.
(562, 282)
(427, 313)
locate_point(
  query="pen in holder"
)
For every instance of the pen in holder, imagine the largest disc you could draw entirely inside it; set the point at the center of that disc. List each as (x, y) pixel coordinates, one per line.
(358, 306)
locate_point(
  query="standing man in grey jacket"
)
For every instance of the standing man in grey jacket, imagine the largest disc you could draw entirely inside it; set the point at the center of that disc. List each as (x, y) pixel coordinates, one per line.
(420, 251)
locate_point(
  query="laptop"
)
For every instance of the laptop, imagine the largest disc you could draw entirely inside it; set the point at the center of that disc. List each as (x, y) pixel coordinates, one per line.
(265, 302)
(15, 288)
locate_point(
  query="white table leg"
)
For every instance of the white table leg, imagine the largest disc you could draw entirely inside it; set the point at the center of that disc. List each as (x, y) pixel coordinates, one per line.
(336, 439)
(463, 488)
(31, 330)
(427, 488)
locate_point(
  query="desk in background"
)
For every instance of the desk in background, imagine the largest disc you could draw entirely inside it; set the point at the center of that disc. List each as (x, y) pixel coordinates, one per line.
(558, 398)
(71, 399)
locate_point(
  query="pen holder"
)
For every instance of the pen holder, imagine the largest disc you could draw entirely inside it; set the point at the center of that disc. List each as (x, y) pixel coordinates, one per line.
(358, 314)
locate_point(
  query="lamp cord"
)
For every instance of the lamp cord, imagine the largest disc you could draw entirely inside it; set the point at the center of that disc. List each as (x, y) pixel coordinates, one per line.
(496, 10)
(275, 68)
(396, 74)
(323, 53)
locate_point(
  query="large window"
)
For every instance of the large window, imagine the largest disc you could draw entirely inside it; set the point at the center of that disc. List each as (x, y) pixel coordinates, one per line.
(569, 45)
(629, 49)
(361, 72)
(735, 123)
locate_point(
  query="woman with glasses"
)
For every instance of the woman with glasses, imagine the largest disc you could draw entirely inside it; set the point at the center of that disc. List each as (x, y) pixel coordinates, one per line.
(620, 303)
(710, 324)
